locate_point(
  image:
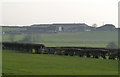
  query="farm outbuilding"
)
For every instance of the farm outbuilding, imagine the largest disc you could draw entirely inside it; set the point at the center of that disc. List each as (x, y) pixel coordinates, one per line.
(60, 27)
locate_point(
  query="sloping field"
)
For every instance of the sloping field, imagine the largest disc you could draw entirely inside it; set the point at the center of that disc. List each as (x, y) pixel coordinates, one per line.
(89, 39)
(16, 63)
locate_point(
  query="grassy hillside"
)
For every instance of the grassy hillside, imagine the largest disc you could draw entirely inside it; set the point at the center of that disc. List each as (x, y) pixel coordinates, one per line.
(91, 39)
(15, 63)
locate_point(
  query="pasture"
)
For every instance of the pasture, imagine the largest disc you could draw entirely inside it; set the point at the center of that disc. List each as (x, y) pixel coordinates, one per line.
(88, 39)
(19, 63)
(12, 29)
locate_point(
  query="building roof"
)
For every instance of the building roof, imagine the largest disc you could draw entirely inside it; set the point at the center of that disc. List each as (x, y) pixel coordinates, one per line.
(69, 24)
(58, 24)
(107, 25)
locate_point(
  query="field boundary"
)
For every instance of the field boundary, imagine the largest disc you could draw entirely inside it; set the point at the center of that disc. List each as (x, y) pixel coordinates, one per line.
(68, 51)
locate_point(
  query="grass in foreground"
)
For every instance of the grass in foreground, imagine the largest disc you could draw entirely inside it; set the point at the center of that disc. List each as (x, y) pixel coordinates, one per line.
(15, 63)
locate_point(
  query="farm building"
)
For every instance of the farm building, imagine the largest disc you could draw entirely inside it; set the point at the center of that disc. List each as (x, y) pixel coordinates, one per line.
(57, 27)
(106, 27)
(41, 28)
(72, 27)
(65, 27)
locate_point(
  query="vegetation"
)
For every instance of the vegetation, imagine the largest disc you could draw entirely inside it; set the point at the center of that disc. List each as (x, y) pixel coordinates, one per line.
(112, 45)
(91, 39)
(11, 29)
(17, 63)
(21, 63)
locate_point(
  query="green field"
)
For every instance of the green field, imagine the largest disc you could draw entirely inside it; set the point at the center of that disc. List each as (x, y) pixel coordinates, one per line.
(11, 29)
(90, 39)
(16, 63)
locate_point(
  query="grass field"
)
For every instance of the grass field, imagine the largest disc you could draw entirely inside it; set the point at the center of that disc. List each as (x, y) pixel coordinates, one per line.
(16, 63)
(11, 29)
(91, 39)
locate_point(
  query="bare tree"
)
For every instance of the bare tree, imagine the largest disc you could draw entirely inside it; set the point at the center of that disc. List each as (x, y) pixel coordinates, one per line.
(94, 25)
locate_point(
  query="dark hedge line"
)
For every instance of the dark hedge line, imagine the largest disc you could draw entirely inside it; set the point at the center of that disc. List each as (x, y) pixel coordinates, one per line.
(68, 51)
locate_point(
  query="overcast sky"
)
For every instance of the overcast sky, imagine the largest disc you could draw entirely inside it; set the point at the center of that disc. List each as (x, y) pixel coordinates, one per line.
(28, 12)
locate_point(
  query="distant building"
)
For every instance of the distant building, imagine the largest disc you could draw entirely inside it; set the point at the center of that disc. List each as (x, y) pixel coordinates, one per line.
(59, 27)
(65, 27)
(71, 27)
(41, 28)
(106, 27)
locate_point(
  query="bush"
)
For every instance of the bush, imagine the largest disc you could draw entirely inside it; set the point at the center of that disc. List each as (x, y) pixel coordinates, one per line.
(112, 45)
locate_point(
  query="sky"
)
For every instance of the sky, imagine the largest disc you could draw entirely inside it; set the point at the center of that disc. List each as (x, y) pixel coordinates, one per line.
(28, 12)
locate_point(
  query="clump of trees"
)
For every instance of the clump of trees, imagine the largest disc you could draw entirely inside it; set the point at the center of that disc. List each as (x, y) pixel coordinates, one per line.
(112, 45)
(94, 25)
